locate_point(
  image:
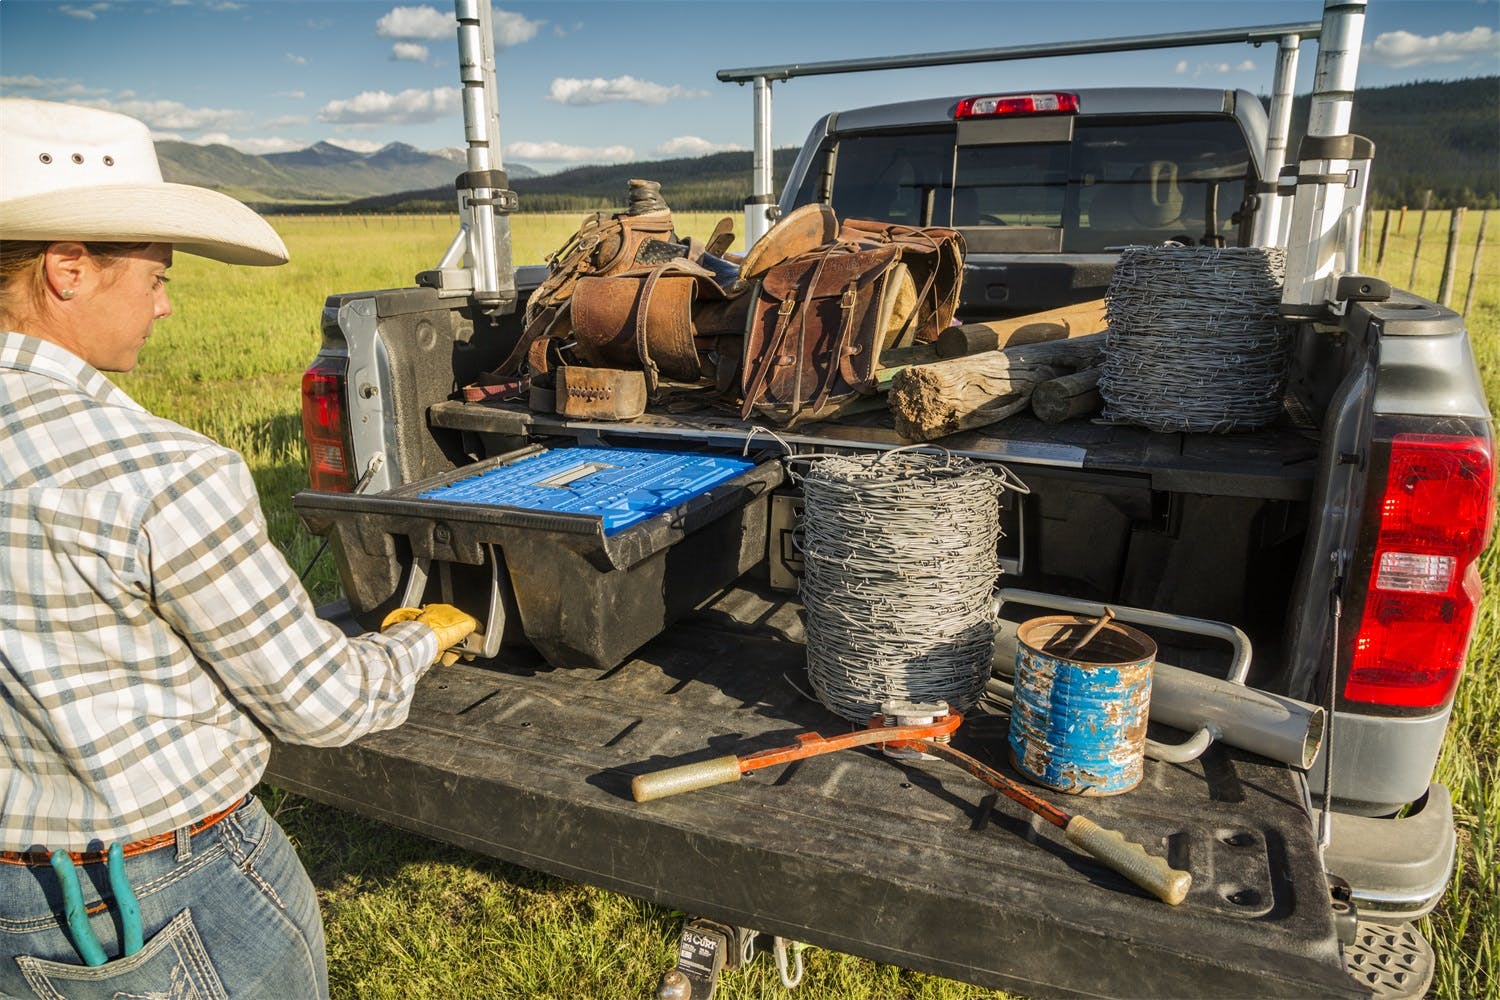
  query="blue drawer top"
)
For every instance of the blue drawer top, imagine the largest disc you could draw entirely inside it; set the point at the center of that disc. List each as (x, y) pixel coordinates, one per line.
(621, 486)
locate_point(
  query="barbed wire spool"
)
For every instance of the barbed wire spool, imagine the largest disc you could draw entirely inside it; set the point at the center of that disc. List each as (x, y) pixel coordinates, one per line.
(1195, 342)
(899, 563)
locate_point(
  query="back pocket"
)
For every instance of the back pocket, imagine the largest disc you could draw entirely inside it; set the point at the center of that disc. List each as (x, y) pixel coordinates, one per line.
(173, 965)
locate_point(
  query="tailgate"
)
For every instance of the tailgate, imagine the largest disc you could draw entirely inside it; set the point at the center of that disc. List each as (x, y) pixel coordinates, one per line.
(918, 865)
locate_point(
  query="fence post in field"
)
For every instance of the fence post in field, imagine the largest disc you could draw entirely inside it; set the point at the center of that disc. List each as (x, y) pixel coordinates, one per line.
(1450, 261)
(1416, 253)
(1401, 222)
(1474, 270)
(1385, 231)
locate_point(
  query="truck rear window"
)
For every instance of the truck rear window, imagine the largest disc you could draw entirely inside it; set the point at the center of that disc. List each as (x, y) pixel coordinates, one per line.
(1112, 182)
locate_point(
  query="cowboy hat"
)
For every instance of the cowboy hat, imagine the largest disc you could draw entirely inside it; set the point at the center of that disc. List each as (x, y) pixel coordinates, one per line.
(72, 173)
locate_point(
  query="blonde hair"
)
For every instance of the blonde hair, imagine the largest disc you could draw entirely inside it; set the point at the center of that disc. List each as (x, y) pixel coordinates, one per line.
(23, 281)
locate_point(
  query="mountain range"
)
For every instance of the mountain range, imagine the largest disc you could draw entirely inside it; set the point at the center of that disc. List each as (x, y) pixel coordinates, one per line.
(323, 173)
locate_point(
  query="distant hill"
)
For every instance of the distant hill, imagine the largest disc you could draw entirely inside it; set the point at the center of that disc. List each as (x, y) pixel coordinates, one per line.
(1439, 136)
(323, 173)
(717, 182)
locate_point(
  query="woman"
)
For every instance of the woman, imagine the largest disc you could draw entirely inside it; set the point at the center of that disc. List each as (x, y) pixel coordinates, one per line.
(150, 634)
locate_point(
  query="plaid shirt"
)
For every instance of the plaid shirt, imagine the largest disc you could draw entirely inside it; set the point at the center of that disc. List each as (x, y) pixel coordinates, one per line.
(149, 630)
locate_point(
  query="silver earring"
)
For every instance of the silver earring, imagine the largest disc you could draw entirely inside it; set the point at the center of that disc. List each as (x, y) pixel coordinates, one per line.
(67, 293)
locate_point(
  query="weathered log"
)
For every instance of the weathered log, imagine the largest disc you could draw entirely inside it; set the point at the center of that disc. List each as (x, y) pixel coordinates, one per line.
(1070, 396)
(1077, 320)
(932, 401)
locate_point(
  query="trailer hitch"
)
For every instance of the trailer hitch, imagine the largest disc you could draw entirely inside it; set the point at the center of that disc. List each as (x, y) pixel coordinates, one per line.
(904, 729)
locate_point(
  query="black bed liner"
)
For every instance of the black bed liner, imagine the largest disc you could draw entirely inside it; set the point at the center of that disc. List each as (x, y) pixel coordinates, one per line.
(919, 866)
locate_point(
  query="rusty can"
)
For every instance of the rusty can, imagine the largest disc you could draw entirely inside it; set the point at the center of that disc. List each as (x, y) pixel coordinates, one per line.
(1078, 723)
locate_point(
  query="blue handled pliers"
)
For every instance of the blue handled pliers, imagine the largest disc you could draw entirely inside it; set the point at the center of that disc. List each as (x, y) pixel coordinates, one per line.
(78, 916)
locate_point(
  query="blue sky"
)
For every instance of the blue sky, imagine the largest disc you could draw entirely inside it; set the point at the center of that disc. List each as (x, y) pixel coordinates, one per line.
(632, 79)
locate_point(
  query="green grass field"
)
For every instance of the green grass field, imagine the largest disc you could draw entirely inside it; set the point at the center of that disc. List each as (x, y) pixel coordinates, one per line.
(409, 916)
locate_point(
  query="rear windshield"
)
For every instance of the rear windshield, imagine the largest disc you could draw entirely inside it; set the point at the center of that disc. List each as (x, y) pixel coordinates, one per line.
(1114, 182)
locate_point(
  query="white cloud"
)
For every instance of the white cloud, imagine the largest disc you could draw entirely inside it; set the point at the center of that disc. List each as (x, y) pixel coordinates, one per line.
(173, 115)
(225, 6)
(409, 52)
(560, 152)
(295, 59)
(30, 82)
(1220, 68)
(571, 90)
(416, 22)
(692, 145)
(512, 28)
(295, 95)
(89, 13)
(1402, 48)
(376, 107)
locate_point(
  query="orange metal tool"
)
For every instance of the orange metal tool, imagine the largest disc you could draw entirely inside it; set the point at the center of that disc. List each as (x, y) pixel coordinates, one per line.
(721, 770)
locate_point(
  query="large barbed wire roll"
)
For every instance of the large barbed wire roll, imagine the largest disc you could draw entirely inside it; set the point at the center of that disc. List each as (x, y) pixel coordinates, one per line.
(899, 562)
(1195, 342)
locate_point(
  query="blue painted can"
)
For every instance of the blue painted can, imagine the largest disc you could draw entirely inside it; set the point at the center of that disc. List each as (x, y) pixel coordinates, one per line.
(1078, 723)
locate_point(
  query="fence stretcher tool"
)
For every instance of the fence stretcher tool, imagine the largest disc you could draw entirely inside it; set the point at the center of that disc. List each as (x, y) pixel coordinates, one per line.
(1109, 847)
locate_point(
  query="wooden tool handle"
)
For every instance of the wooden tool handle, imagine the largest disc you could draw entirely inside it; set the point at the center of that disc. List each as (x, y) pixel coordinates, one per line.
(1131, 860)
(685, 778)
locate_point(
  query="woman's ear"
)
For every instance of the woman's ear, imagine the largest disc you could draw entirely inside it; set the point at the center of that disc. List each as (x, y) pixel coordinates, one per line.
(66, 265)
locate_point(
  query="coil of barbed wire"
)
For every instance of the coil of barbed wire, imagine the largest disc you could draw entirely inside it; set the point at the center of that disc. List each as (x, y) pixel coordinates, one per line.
(1195, 342)
(899, 563)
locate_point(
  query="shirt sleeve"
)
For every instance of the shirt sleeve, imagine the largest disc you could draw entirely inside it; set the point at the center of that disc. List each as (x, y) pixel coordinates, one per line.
(222, 586)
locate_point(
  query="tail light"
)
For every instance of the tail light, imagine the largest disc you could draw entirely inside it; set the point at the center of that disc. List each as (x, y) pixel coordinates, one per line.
(325, 426)
(1434, 520)
(1001, 105)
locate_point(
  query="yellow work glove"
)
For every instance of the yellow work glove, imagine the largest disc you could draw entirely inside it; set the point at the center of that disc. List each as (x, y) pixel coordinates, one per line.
(451, 626)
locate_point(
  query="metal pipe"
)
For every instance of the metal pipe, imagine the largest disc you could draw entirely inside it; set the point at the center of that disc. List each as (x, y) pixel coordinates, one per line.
(1316, 237)
(1268, 219)
(483, 187)
(762, 200)
(1214, 36)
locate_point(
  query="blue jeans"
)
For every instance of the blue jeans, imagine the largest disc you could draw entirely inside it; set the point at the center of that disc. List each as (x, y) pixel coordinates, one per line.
(229, 913)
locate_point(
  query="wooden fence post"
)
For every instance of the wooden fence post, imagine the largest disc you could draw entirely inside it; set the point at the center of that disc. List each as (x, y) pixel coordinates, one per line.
(1401, 222)
(1474, 270)
(1450, 261)
(1416, 253)
(1385, 231)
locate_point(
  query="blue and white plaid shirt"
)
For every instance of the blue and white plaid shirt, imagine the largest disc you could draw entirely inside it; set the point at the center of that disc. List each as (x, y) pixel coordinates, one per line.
(149, 629)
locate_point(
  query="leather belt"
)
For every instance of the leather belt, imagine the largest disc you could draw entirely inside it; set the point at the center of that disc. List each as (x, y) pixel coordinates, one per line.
(44, 858)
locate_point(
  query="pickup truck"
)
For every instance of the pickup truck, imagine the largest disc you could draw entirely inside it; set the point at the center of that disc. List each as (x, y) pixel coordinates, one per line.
(600, 659)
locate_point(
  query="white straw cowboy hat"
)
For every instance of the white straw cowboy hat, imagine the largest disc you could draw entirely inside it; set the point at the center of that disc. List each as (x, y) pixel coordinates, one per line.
(72, 173)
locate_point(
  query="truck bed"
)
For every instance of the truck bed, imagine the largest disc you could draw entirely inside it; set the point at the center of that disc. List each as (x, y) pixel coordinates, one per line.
(913, 864)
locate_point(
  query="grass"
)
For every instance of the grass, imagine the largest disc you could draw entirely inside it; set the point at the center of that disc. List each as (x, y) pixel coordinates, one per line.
(409, 916)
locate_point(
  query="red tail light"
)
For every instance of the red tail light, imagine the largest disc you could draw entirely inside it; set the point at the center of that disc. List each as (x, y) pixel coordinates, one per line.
(1435, 519)
(1000, 105)
(325, 426)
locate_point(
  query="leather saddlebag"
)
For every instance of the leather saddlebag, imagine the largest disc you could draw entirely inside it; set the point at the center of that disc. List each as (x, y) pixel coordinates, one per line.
(655, 320)
(817, 325)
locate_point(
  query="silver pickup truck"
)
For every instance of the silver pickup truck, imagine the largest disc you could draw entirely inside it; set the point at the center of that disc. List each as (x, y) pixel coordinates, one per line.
(1341, 541)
